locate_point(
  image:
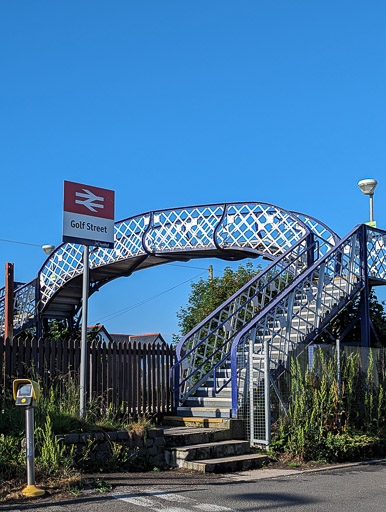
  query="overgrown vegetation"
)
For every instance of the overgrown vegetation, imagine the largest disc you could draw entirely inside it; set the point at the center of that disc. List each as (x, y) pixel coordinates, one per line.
(57, 413)
(325, 425)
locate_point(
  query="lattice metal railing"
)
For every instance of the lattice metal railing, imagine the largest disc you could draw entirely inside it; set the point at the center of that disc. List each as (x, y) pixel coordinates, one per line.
(252, 225)
(376, 253)
(301, 312)
(24, 307)
(261, 228)
(319, 228)
(204, 348)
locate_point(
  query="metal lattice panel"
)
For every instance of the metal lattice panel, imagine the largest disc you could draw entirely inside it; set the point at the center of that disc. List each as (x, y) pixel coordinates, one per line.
(24, 306)
(305, 308)
(319, 228)
(201, 350)
(265, 229)
(376, 254)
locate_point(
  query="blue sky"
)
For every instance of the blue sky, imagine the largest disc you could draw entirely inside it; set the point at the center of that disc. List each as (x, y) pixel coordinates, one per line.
(174, 103)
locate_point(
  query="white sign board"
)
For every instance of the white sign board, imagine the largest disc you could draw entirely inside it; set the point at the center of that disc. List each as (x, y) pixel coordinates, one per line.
(88, 215)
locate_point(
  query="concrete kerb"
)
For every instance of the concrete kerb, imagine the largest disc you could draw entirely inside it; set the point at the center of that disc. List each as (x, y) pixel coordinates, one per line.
(264, 473)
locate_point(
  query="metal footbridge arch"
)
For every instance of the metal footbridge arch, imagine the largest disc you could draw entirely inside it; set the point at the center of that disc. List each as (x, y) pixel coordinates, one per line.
(229, 231)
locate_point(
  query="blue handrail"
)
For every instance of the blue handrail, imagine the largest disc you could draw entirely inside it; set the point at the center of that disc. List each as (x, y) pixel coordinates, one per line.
(279, 299)
(179, 384)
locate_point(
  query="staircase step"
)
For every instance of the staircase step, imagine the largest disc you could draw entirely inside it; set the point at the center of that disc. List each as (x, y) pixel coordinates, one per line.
(177, 456)
(185, 436)
(208, 392)
(193, 422)
(227, 464)
(209, 402)
(204, 412)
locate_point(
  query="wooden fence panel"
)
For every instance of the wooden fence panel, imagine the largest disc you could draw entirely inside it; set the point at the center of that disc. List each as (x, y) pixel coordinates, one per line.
(128, 375)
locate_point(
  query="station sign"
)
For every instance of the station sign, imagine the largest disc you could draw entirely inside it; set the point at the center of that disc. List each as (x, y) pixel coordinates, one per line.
(88, 215)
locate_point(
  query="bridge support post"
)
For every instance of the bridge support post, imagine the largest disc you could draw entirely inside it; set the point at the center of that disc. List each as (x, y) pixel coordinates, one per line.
(365, 302)
(310, 250)
(8, 304)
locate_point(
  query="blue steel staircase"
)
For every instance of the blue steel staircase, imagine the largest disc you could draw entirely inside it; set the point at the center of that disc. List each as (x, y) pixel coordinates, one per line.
(223, 363)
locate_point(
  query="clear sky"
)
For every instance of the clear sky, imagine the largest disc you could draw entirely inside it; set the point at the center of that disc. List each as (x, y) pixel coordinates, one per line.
(182, 102)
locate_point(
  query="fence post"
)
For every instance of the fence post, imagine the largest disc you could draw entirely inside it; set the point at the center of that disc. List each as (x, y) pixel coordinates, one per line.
(176, 386)
(267, 392)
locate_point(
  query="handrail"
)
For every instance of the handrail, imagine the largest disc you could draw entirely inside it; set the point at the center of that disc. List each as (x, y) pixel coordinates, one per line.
(179, 383)
(282, 297)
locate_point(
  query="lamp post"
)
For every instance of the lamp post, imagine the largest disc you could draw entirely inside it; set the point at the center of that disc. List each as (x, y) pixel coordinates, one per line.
(48, 249)
(368, 186)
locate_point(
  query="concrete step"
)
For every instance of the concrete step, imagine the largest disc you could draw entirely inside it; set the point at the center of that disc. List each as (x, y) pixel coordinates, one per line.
(185, 436)
(211, 402)
(204, 412)
(208, 391)
(227, 464)
(196, 422)
(177, 456)
(219, 382)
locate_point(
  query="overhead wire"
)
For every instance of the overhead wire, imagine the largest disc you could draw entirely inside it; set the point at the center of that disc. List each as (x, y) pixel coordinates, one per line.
(17, 242)
(111, 316)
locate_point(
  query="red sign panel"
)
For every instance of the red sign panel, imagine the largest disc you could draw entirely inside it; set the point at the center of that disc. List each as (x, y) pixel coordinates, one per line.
(88, 215)
(87, 200)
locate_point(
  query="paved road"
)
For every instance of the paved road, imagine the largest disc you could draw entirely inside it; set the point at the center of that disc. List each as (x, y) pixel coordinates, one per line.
(353, 489)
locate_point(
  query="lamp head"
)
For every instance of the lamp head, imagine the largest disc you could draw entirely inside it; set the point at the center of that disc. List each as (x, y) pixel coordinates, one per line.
(48, 249)
(368, 186)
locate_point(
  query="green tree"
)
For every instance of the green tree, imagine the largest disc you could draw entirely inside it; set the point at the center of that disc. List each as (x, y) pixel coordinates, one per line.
(345, 317)
(207, 294)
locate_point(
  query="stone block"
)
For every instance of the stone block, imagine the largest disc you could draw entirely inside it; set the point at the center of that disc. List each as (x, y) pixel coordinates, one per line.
(71, 438)
(85, 438)
(111, 436)
(136, 440)
(152, 451)
(158, 460)
(155, 432)
(104, 448)
(159, 441)
(122, 435)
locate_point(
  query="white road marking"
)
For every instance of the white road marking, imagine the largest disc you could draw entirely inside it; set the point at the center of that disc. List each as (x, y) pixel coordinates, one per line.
(155, 502)
(207, 507)
(167, 495)
(136, 500)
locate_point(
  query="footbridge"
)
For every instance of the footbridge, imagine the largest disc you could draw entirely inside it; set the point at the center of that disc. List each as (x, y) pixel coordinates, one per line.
(246, 343)
(226, 231)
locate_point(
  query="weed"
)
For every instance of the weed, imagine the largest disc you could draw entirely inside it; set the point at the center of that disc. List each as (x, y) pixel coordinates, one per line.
(324, 426)
(101, 485)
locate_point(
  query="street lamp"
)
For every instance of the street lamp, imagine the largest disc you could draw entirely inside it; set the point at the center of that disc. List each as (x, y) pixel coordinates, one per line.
(368, 187)
(48, 249)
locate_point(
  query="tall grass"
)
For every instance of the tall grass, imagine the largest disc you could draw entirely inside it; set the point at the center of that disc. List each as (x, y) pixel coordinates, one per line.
(325, 426)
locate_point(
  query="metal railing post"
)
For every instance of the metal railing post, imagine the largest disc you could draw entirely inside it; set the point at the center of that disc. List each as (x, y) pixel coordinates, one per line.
(310, 250)
(365, 303)
(267, 393)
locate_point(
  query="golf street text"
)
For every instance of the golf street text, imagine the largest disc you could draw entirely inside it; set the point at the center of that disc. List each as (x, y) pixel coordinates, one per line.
(88, 226)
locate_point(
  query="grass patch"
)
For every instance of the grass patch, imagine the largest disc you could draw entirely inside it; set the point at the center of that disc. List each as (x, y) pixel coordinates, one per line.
(58, 468)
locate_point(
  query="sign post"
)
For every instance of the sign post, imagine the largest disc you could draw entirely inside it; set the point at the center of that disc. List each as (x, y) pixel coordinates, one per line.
(88, 219)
